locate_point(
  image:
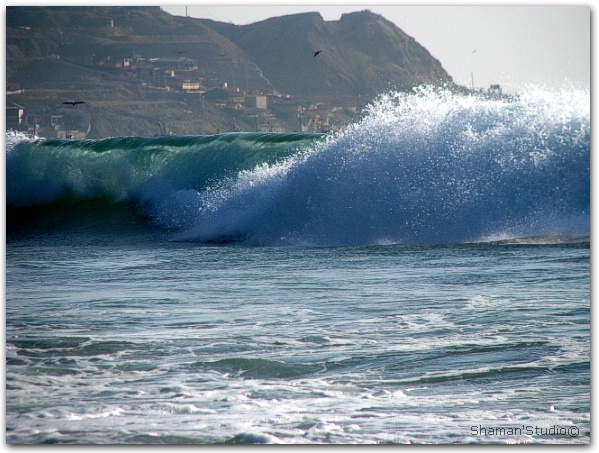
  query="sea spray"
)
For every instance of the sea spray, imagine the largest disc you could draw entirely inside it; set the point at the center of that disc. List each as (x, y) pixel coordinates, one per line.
(428, 166)
(423, 167)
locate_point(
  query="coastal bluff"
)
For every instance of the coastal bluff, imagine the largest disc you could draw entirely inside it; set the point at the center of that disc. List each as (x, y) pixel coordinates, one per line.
(142, 71)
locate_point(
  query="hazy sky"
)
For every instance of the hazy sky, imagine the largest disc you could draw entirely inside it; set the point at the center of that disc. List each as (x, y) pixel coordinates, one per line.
(512, 45)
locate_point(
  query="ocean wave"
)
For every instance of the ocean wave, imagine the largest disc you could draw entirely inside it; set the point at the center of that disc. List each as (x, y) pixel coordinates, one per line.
(428, 166)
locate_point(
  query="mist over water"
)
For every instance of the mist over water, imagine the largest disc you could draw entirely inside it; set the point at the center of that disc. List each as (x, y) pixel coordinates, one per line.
(422, 167)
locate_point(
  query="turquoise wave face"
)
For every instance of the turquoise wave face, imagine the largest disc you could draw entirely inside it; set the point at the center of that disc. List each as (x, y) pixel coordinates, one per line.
(129, 168)
(423, 167)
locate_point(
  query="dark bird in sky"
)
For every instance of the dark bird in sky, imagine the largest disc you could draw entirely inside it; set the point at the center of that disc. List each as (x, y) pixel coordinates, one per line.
(73, 102)
(180, 52)
(317, 52)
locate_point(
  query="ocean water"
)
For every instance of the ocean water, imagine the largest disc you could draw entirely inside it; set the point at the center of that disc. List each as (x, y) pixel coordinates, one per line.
(421, 277)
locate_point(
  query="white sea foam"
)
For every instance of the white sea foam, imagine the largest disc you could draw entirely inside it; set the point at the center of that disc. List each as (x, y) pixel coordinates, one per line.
(423, 167)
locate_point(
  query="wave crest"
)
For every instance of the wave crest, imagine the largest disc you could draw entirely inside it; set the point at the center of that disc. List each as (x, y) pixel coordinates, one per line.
(428, 166)
(424, 167)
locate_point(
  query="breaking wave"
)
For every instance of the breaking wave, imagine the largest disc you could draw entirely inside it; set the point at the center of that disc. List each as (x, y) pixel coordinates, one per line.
(422, 167)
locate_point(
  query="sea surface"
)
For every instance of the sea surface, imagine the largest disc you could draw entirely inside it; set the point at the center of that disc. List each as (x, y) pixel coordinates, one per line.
(421, 277)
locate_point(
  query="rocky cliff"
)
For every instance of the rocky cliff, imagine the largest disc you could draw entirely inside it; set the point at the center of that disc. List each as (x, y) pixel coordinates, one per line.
(362, 54)
(125, 61)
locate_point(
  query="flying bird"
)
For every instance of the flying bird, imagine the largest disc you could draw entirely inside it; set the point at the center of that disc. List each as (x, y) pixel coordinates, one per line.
(73, 102)
(317, 52)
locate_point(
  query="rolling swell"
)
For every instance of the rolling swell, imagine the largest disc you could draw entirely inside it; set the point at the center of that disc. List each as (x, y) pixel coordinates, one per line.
(423, 167)
(54, 184)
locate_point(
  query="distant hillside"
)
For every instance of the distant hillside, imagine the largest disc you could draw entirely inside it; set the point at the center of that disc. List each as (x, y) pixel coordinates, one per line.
(125, 61)
(362, 54)
(89, 35)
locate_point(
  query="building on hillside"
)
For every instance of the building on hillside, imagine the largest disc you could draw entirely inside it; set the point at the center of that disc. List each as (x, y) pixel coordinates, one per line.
(217, 95)
(15, 115)
(172, 64)
(192, 87)
(159, 78)
(70, 124)
(257, 102)
(495, 90)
